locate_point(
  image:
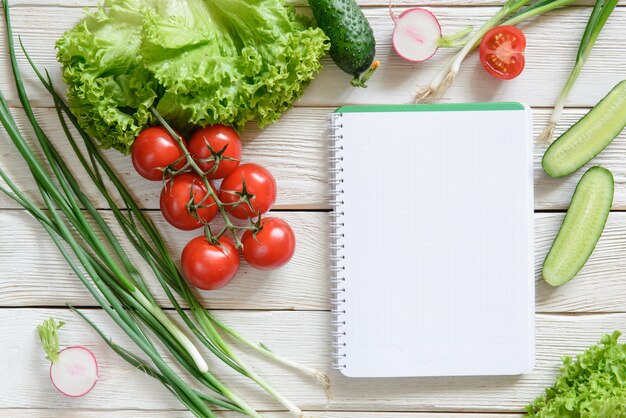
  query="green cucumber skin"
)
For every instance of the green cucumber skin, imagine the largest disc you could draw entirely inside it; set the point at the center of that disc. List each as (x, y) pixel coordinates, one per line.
(581, 228)
(589, 136)
(352, 44)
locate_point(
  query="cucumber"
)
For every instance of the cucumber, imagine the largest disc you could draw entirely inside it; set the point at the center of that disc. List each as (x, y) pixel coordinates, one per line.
(581, 228)
(589, 136)
(352, 44)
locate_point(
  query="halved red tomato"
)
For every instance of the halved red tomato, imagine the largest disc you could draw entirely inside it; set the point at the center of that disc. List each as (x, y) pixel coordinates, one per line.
(502, 52)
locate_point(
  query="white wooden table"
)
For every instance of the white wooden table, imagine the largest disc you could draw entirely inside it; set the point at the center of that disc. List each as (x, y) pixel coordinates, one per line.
(289, 309)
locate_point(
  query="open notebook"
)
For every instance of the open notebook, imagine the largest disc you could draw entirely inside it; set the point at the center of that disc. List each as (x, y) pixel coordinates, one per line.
(433, 240)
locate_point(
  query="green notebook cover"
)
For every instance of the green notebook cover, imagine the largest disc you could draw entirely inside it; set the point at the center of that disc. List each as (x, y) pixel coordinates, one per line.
(439, 107)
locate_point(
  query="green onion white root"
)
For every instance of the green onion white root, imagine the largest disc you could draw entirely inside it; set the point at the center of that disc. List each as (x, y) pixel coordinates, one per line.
(511, 13)
(600, 13)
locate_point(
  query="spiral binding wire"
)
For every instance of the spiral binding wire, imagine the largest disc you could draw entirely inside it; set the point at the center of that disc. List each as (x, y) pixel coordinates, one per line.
(337, 235)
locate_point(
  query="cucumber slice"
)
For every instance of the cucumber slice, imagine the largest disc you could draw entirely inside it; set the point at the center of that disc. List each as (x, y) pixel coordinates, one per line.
(581, 228)
(589, 136)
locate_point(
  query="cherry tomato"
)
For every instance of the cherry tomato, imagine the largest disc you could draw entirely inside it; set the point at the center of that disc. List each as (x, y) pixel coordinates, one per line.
(271, 247)
(207, 145)
(175, 197)
(153, 150)
(502, 52)
(210, 266)
(260, 187)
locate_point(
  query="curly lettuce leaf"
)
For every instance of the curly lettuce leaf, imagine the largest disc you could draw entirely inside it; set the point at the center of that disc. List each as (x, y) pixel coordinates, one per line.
(592, 386)
(109, 90)
(199, 62)
(230, 61)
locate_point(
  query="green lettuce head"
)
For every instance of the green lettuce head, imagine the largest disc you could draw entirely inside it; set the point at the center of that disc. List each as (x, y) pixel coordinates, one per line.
(592, 386)
(199, 62)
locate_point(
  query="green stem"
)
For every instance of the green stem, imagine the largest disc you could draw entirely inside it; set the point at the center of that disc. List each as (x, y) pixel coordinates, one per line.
(192, 163)
(451, 41)
(49, 338)
(55, 225)
(361, 79)
(536, 9)
(509, 7)
(141, 365)
(268, 353)
(164, 264)
(600, 13)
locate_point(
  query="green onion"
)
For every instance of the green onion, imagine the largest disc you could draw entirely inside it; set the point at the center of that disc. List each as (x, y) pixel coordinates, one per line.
(535, 9)
(103, 266)
(168, 275)
(602, 9)
(444, 79)
(115, 292)
(150, 245)
(511, 13)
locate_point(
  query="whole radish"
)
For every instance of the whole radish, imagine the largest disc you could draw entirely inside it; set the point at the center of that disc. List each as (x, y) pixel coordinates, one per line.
(73, 370)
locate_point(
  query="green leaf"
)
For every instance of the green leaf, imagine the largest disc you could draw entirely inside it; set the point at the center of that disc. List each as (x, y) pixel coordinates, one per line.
(198, 62)
(49, 338)
(592, 386)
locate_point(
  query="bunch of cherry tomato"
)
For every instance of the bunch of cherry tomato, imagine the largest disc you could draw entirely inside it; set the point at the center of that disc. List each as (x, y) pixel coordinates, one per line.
(187, 170)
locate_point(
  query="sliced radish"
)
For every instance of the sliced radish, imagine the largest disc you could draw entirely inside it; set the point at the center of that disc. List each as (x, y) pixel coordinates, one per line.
(417, 34)
(75, 372)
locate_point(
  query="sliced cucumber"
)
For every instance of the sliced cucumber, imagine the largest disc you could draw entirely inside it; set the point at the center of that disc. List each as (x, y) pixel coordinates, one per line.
(582, 227)
(589, 136)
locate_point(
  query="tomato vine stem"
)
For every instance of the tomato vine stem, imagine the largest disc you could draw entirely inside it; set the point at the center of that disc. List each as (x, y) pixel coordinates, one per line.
(244, 196)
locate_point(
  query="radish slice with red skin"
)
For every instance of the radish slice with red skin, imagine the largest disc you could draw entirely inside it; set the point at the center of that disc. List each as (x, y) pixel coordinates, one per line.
(75, 372)
(417, 34)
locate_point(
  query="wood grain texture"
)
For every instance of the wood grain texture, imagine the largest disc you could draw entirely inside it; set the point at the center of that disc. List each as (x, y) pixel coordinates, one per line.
(398, 80)
(33, 274)
(304, 283)
(133, 413)
(362, 3)
(302, 336)
(295, 151)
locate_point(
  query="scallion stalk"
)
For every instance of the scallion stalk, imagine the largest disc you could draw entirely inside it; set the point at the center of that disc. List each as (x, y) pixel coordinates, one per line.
(602, 9)
(114, 289)
(512, 12)
(444, 78)
(537, 8)
(154, 252)
(102, 265)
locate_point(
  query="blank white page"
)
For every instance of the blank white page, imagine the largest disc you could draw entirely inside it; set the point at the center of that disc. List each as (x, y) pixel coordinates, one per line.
(438, 236)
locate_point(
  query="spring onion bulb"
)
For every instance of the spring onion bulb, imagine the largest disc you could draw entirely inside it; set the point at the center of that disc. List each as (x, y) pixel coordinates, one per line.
(602, 9)
(512, 13)
(444, 79)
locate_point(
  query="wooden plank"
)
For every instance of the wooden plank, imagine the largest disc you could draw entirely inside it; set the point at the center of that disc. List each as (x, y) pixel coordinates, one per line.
(302, 3)
(118, 413)
(556, 194)
(34, 274)
(398, 80)
(302, 284)
(132, 413)
(294, 150)
(303, 336)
